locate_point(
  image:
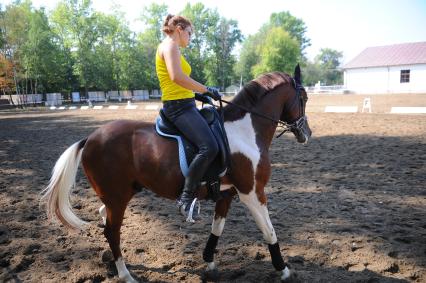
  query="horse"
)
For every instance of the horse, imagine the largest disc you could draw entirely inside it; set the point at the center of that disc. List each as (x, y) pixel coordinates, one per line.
(124, 157)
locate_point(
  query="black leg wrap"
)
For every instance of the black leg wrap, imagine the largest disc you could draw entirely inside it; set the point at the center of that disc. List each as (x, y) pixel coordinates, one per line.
(208, 254)
(277, 259)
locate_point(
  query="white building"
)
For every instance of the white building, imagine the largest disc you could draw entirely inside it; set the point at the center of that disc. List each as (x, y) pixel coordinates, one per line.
(399, 68)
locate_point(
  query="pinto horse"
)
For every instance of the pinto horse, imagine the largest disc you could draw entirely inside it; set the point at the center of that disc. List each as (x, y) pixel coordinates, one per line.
(123, 157)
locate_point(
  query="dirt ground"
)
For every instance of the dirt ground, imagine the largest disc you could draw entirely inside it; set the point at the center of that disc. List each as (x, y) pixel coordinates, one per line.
(348, 207)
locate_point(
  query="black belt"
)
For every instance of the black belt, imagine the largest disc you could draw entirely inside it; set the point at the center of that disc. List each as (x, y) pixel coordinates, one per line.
(177, 101)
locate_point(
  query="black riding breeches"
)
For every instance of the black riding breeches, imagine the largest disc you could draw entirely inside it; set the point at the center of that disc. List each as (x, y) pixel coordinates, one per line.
(185, 116)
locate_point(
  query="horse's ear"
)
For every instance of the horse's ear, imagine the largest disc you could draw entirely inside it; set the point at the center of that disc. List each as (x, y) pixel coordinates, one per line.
(298, 75)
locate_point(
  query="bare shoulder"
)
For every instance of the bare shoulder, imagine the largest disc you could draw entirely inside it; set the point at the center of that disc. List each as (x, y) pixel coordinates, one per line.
(168, 47)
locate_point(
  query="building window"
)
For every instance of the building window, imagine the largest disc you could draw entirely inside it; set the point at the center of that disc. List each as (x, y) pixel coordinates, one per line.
(405, 76)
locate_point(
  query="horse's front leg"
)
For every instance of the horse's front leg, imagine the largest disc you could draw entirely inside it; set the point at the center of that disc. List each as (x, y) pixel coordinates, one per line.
(260, 213)
(221, 210)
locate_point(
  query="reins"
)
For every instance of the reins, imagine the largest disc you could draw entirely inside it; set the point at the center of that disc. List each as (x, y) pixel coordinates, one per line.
(287, 127)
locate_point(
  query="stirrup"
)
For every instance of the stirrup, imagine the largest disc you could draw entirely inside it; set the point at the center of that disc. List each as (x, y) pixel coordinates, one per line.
(190, 212)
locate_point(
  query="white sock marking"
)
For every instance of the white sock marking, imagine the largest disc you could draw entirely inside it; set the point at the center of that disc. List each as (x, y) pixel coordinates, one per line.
(211, 266)
(217, 226)
(123, 273)
(285, 273)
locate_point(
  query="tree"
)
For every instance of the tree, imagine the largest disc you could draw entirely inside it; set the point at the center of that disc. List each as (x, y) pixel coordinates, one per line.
(254, 59)
(205, 22)
(312, 73)
(74, 23)
(14, 28)
(279, 52)
(248, 58)
(40, 56)
(76, 48)
(219, 68)
(6, 76)
(132, 64)
(109, 30)
(152, 17)
(329, 61)
(102, 51)
(294, 26)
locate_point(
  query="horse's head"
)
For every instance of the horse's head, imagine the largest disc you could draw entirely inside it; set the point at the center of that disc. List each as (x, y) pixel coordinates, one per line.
(294, 110)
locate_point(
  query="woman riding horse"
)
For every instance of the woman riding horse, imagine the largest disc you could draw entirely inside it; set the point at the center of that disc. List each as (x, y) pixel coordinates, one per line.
(179, 104)
(123, 157)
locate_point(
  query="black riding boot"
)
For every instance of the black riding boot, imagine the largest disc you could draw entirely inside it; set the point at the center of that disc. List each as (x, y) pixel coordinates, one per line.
(196, 171)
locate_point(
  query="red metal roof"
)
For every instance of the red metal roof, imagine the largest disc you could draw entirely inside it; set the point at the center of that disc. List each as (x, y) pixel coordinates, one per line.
(390, 55)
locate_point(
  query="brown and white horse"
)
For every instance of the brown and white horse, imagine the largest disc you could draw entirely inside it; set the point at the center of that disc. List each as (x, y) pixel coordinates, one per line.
(123, 157)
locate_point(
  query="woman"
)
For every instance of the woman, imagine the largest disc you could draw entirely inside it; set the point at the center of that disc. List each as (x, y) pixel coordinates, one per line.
(179, 104)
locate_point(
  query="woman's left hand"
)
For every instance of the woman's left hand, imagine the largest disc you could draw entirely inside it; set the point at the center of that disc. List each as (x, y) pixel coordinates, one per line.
(213, 93)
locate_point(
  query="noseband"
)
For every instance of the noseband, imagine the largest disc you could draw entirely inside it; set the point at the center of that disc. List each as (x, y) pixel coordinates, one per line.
(287, 127)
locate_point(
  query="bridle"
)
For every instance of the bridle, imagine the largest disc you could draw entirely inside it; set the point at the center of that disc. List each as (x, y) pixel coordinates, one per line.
(296, 125)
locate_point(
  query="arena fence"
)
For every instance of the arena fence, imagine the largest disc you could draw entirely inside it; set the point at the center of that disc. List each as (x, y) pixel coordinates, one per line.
(58, 99)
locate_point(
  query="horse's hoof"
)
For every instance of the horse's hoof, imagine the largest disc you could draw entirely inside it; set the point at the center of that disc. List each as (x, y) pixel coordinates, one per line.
(290, 277)
(211, 275)
(128, 279)
(107, 256)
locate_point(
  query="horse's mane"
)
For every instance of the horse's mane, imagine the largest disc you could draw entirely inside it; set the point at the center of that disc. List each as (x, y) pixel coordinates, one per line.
(261, 86)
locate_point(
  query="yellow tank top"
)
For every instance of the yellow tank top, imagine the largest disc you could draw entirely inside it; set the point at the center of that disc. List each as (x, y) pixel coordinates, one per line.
(169, 89)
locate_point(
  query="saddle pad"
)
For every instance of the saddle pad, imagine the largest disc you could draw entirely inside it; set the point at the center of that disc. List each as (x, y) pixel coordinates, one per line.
(182, 155)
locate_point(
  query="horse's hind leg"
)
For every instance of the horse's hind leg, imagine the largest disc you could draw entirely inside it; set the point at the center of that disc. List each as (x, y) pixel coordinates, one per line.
(221, 210)
(114, 219)
(261, 216)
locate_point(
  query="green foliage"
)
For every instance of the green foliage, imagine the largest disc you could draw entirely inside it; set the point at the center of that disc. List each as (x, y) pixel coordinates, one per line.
(249, 57)
(278, 46)
(15, 34)
(312, 73)
(152, 17)
(78, 49)
(220, 62)
(75, 24)
(325, 68)
(294, 26)
(329, 61)
(205, 22)
(279, 52)
(41, 58)
(210, 50)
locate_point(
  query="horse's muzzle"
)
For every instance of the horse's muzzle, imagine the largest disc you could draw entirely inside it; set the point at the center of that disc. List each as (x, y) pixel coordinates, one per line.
(302, 132)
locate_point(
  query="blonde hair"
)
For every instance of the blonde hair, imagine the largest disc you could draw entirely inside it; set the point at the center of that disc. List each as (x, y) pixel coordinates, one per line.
(172, 22)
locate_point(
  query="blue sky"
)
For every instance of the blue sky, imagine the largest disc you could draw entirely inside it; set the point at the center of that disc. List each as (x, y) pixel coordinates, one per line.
(349, 26)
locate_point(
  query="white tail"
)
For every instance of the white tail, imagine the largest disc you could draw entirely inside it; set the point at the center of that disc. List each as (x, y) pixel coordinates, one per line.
(62, 181)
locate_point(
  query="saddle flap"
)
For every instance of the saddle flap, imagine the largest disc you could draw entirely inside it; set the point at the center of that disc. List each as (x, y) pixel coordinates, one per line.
(208, 113)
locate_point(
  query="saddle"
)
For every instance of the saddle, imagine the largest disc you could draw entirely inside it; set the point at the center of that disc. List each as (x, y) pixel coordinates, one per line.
(187, 150)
